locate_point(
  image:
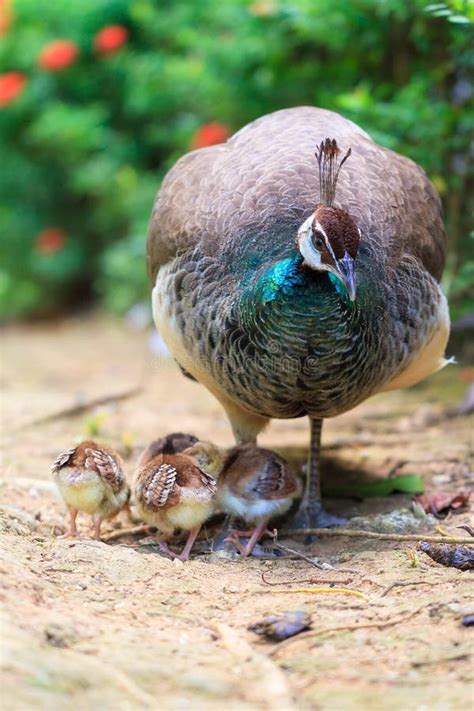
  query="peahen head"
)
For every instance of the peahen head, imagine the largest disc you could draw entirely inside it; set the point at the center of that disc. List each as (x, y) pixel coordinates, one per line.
(328, 240)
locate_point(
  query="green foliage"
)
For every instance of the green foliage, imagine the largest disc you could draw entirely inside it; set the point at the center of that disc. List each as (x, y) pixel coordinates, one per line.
(83, 149)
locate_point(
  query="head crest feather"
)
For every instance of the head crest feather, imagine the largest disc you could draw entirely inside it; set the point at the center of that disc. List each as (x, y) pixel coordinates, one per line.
(327, 154)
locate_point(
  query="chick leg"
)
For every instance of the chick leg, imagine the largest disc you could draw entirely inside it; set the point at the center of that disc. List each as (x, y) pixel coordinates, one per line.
(246, 534)
(193, 534)
(311, 513)
(253, 539)
(97, 521)
(72, 530)
(184, 555)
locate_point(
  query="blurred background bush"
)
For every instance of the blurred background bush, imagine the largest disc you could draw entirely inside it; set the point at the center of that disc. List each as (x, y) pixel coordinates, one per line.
(99, 97)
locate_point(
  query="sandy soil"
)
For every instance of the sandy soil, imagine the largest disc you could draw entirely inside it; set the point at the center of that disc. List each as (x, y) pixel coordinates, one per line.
(96, 626)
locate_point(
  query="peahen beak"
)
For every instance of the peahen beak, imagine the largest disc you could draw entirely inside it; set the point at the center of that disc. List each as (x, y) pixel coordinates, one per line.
(346, 273)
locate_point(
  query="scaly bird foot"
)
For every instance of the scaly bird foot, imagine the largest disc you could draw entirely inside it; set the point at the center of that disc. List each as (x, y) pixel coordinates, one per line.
(314, 517)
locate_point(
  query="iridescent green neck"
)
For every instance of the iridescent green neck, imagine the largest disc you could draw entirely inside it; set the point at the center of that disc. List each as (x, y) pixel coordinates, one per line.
(280, 279)
(286, 276)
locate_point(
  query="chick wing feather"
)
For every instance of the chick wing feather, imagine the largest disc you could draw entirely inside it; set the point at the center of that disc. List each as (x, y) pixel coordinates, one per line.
(106, 465)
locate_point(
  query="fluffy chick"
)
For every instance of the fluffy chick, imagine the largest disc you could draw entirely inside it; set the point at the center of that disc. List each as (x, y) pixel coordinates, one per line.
(256, 484)
(208, 457)
(90, 478)
(171, 444)
(172, 491)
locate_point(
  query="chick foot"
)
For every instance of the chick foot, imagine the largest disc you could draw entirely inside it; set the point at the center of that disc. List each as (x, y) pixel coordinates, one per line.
(72, 530)
(253, 536)
(184, 555)
(70, 535)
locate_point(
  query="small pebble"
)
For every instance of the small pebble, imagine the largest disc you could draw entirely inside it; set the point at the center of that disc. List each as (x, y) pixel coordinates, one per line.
(439, 479)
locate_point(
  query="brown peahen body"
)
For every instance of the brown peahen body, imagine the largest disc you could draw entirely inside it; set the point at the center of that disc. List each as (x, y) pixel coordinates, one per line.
(289, 291)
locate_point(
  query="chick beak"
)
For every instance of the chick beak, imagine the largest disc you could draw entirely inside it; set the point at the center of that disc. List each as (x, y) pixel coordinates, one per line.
(347, 275)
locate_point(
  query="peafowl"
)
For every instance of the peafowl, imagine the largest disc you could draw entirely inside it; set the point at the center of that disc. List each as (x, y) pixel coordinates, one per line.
(295, 271)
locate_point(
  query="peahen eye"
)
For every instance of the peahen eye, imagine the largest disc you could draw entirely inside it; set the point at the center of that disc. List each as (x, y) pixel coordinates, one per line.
(318, 242)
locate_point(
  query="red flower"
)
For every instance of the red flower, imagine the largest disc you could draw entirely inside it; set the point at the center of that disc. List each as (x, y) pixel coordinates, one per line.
(50, 240)
(209, 134)
(110, 39)
(58, 55)
(11, 85)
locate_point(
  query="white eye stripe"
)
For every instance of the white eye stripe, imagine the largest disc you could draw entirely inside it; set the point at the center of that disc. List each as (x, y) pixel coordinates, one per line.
(311, 255)
(306, 226)
(319, 228)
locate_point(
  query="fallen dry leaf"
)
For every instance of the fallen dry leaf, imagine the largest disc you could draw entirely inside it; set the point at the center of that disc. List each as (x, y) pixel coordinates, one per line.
(436, 502)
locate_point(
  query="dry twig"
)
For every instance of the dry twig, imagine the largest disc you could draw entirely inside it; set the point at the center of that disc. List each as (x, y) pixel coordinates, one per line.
(305, 580)
(354, 533)
(399, 584)
(318, 591)
(298, 554)
(121, 532)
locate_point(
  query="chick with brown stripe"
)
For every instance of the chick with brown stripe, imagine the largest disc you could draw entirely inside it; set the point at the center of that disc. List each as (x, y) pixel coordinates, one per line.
(173, 492)
(255, 485)
(90, 478)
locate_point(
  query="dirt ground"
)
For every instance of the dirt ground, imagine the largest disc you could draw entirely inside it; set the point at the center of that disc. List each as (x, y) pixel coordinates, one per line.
(106, 627)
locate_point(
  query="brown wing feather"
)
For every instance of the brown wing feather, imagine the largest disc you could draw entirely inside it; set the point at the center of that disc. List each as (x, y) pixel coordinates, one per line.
(274, 481)
(270, 481)
(106, 465)
(161, 482)
(267, 171)
(156, 484)
(190, 475)
(63, 460)
(257, 472)
(208, 482)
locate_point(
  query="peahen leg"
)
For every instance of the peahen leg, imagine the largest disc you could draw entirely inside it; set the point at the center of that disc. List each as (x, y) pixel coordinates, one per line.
(311, 513)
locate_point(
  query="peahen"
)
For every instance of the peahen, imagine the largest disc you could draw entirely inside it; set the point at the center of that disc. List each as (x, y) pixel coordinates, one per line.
(296, 272)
